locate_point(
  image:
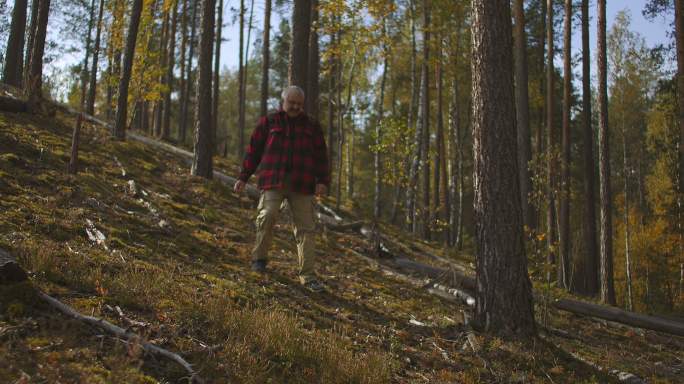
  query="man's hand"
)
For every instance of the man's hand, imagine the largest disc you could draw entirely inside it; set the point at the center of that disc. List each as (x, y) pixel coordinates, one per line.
(239, 186)
(321, 190)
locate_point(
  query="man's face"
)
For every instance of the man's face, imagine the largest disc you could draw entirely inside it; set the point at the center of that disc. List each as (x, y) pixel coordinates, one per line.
(293, 104)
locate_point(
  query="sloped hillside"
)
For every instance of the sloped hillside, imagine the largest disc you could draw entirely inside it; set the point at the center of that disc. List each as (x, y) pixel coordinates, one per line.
(137, 241)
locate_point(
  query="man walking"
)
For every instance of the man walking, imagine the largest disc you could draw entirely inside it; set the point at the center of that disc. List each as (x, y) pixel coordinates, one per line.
(290, 148)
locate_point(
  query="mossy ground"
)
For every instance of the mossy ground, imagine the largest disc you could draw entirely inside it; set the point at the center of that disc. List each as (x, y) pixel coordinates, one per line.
(176, 258)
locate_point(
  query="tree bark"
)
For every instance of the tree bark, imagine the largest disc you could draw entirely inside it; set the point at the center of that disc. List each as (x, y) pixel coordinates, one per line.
(504, 292)
(204, 147)
(171, 62)
(425, 118)
(84, 70)
(159, 105)
(122, 102)
(299, 48)
(188, 74)
(377, 160)
(313, 89)
(183, 50)
(585, 275)
(522, 112)
(266, 62)
(564, 260)
(550, 143)
(628, 256)
(35, 78)
(606, 239)
(30, 37)
(216, 80)
(14, 65)
(241, 84)
(92, 89)
(441, 196)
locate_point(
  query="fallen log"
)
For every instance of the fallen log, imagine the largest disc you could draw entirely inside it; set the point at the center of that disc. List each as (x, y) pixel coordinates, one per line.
(10, 271)
(449, 294)
(123, 334)
(620, 316)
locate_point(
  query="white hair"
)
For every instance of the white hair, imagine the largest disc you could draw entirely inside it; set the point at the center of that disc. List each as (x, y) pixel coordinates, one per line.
(291, 89)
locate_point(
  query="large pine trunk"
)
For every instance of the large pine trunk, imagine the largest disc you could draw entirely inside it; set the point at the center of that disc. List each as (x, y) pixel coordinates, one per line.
(92, 88)
(377, 161)
(204, 146)
(299, 47)
(522, 112)
(425, 118)
(30, 37)
(171, 54)
(550, 143)
(679, 36)
(564, 229)
(14, 59)
(185, 108)
(266, 60)
(34, 84)
(606, 239)
(312, 87)
(241, 84)
(122, 102)
(585, 276)
(216, 80)
(504, 292)
(84, 69)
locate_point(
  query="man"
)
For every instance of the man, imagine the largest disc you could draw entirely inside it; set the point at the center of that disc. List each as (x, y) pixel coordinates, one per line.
(290, 148)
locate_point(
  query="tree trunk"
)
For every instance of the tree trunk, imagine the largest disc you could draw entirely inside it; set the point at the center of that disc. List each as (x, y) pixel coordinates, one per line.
(425, 117)
(454, 150)
(215, 82)
(30, 37)
(122, 102)
(412, 173)
(585, 275)
(299, 48)
(539, 142)
(241, 83)
(625, 172)
(550, 143)
(84, 70)
(504, 292)
(412, 190)
(159, 105)
(266, 63)
(564, 260)
(204, 146)
(377, 161)
(35, 82)
(340, 128)
(92, 89)
(441, 196)
(171, 53)
(183, 50)
(188, 74)
(522, 112)
(606, 240)
(679, 37)
(14, 65)
(72, 168)
(313, 89)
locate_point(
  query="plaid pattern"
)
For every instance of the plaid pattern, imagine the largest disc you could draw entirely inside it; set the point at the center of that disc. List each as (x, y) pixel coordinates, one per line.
(278, 139)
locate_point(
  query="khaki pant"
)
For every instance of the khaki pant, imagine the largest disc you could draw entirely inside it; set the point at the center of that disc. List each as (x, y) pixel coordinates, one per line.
(301, 206)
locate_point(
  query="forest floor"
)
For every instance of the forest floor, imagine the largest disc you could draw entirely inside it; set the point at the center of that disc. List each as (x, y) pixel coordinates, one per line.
(172, 264)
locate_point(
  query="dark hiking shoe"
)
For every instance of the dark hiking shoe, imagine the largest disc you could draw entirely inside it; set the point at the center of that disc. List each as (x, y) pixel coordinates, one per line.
(259, 266)
(314, 286)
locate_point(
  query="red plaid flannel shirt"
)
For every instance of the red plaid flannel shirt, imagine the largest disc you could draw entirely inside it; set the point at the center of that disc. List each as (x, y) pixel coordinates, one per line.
(276, 138)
